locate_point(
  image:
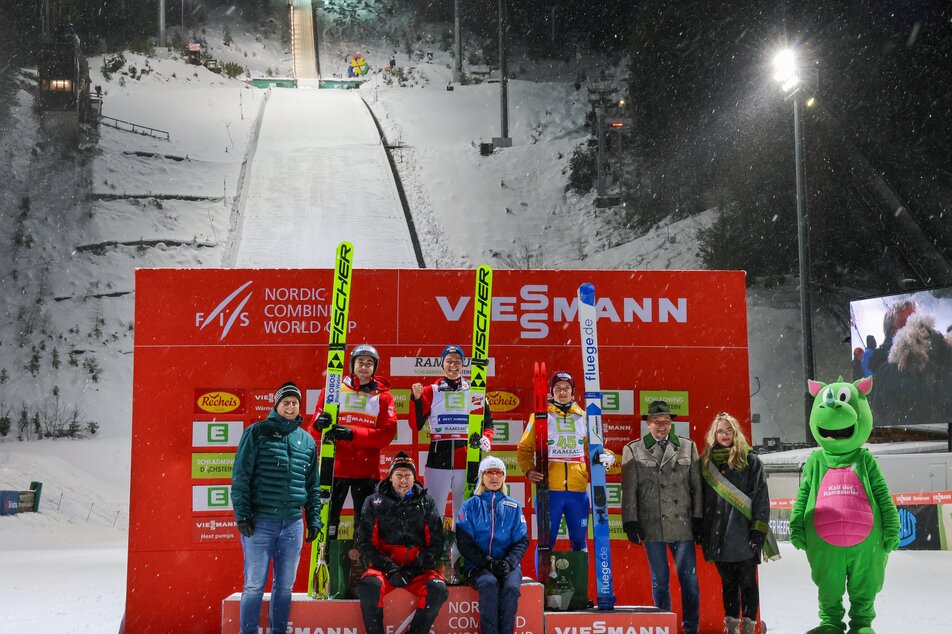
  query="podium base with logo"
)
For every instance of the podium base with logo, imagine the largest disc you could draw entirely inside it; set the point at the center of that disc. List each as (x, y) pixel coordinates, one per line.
(623, 620)
(459, 615)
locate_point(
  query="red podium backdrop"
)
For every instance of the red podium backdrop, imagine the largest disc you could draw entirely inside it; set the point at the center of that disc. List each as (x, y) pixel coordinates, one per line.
(211, 346)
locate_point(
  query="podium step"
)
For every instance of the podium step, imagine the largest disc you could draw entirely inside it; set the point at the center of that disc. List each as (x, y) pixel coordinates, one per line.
(459, 615)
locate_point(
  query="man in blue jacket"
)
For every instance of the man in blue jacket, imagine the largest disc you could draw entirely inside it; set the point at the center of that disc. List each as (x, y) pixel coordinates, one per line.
(275, 474)
(492, 536)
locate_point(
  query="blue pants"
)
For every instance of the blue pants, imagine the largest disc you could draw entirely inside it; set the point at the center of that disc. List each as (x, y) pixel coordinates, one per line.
(498, 600)
(576, 508)
(686, 564)
(274, 541)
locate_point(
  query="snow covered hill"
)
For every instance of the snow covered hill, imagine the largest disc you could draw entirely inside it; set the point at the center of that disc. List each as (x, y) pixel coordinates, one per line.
(82, 221)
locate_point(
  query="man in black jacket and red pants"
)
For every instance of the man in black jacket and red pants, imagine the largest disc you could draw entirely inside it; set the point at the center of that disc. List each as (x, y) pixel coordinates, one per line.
(400, 538)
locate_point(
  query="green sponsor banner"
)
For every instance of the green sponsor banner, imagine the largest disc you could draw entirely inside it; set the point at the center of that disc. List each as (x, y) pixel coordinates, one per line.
(423, 436)
(677, 401)
(401, 401)
(212, 465)
(615, 529)
(512, 463)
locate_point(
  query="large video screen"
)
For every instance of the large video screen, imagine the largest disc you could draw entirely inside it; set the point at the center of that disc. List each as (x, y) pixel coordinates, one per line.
(905, 343)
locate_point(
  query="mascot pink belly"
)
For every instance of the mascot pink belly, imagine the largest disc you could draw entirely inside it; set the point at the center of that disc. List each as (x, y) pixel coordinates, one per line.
(842, 515)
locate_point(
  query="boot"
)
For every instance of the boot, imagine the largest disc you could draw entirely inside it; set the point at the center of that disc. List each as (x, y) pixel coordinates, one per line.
(368, 591)
(731, 625)
(747, 626)
(436, 595)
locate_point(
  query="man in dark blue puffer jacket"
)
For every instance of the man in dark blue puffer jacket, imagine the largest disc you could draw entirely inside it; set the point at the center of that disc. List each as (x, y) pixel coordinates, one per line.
(275, 474)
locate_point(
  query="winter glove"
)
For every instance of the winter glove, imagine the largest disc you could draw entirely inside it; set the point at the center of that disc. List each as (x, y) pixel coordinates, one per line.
(485, 444)
(338, 432)
(324, 420)
(633, 530)
(399, 578)
(312, 533)
(891, 544)
(697, 529)
(500, 568)
(474, 440)
(756, 539)
(607, 459)
(798, 542)
(246, 528)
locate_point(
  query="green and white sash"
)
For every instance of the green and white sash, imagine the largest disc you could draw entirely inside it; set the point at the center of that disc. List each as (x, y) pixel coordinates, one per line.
(740, 501)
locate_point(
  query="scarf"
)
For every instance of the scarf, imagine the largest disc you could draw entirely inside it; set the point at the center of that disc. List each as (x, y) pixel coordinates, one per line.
(739, 500)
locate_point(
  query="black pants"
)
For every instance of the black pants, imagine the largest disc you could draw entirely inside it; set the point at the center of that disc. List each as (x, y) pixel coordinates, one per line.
(361, 488)
(739, 582)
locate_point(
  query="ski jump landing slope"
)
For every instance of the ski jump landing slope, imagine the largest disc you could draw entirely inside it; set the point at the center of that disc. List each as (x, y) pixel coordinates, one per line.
(306, 67)
(318, 175)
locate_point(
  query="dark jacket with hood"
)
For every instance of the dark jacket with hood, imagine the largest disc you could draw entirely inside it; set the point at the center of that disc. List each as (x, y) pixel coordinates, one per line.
(275, 472)
(399, 532)
(726, 530)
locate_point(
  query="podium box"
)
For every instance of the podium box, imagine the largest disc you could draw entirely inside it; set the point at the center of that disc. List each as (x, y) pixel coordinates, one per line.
(459, 615)
(622, 620)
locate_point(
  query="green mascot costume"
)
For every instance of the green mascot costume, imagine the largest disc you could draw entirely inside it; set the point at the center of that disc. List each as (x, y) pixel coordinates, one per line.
(844, 517)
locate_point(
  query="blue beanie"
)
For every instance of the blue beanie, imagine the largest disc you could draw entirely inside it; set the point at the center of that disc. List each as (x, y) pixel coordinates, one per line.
(452, 349)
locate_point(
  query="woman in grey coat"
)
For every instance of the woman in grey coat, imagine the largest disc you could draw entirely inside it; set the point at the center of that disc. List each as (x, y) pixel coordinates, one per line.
(736, 511)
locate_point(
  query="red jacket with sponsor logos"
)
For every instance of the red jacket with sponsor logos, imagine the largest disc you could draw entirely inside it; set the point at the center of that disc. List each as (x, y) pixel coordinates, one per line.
(371, 414)
(445, 454)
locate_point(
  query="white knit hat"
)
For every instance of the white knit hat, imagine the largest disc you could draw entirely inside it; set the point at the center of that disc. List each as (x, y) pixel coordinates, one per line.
(491, 462)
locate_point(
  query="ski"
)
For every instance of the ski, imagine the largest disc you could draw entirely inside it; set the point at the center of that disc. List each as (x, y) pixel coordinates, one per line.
(479, 364)
(540, 422)
(318, 584)
(593, 415)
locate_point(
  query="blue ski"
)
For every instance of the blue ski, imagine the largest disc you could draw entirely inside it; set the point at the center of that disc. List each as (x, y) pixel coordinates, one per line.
(593, 416)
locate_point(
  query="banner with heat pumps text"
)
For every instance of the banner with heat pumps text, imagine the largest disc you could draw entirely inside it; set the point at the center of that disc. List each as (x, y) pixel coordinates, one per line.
(211, 346)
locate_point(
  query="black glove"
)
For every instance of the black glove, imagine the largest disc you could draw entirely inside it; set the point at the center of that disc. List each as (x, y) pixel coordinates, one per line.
(312, 533)
(756, 539)
(399, 578)
(474, 440)
(697, 528)
(246, 528)
(500, 568)
(324, 421)
(337, 432)
(633, 530)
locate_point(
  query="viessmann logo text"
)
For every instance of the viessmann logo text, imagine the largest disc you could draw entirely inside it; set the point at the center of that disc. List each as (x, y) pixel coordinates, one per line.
(535, 310)
(218, 402)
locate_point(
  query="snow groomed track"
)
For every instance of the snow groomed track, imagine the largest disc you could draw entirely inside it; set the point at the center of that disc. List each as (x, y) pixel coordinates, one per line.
(319, 175)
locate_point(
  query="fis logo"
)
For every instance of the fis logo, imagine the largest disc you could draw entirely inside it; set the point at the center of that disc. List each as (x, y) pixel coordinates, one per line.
(226, 314)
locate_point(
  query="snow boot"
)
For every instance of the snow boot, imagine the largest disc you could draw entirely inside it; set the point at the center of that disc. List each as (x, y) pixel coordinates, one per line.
(368, 591)
(747, 626)
(731, 625)
(436, 596)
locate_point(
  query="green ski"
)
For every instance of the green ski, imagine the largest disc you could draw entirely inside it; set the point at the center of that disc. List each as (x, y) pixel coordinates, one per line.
(479, 364)
(318, 584)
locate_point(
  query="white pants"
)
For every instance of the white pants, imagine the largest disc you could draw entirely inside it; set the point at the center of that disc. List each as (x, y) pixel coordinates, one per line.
(438, 485)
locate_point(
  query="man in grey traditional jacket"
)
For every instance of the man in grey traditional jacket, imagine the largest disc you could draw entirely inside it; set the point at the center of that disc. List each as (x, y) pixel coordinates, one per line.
(662, 507)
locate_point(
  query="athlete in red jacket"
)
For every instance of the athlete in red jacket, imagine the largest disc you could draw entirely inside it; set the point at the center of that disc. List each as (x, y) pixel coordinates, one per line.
(366, 423)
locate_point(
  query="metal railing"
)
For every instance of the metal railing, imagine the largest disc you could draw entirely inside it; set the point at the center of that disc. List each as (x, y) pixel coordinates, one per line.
(128, 126)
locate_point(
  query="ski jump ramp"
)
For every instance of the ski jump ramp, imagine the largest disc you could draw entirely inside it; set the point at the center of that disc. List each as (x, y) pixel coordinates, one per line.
(318, 175)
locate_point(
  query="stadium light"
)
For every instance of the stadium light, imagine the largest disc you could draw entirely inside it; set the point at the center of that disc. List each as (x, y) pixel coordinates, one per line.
(786, 67)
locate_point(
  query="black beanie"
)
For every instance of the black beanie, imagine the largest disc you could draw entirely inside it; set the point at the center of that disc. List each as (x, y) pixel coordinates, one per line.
(402, 461)
(288, 389)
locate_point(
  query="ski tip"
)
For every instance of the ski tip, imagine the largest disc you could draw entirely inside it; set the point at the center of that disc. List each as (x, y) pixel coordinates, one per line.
(586, 293)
